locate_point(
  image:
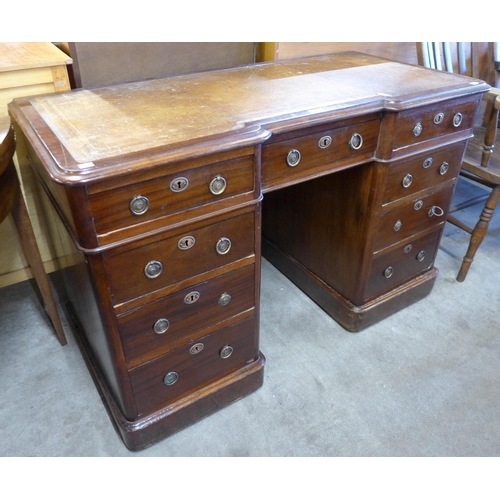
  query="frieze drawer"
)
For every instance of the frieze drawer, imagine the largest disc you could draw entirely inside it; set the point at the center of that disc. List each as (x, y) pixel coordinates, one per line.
(300, 157)
(418, 214)
(164, 324)
(166, 195)
(430, 169)
(193, 365)
(145, 269)
(429, 122)
(393, 268)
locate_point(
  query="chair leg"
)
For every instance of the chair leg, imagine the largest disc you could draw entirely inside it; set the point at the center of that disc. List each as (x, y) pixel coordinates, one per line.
(30, 248)
(479, 232)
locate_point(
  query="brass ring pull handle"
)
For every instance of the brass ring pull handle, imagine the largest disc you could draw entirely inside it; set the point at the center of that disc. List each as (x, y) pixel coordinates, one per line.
(218, 185)
(444, 168)
(356, 141)
(223, 246)
(226, 351)
(139, 205)
(407, 180)
(293, 158)
(457, 120)
(436, 211)
(153, 269)
(161, 326)
(417, 130)
(224, 299)
(170, 378)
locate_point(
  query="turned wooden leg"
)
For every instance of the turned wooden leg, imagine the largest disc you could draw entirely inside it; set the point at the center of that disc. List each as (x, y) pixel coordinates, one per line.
(479, 232)
(30, 248)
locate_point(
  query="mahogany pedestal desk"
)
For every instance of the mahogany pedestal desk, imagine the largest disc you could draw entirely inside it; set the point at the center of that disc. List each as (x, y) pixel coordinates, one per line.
(341, 168)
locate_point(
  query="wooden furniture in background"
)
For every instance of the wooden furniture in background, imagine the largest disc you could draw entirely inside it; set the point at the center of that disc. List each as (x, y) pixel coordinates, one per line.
(481, 163)
(396, 51)
(12, 203)
(29, 69)
(345, 164)
(105, 63)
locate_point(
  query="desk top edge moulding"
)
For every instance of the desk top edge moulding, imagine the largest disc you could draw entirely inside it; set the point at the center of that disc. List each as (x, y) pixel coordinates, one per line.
(171, 190)
(225, 106)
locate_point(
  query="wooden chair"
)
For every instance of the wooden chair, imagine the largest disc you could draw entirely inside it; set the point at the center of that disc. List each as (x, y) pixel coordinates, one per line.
(481, 162)
(12, 202)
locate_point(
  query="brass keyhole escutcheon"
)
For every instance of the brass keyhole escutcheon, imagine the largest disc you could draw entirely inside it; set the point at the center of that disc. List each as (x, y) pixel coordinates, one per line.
(191, 297)
(427, 163)
(179, 184)
(324, 142)
(197, 348)
(186, 242)
(439, 118)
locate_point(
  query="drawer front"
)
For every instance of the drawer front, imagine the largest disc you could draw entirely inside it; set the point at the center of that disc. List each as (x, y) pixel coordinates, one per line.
(165, 324)
(422, 172)
(406, 261)
(170, 194)
(429, 122)
(417, 215)
(151, 267)
(304, 156)
(193, 365)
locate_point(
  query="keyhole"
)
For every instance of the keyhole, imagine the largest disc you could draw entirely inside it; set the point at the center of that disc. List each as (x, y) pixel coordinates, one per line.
(186, 243)
(191, 297)
(179, 184)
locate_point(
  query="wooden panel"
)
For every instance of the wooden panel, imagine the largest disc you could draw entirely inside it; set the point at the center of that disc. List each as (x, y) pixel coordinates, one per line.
(24, 55)
(314, 159)
(404, 263)
(193, 370)
(30, 69)
(125, 269)
(413, 217)
(111, 209)
(186, 319)
(105, 63)
(397, 51)
(426, 170)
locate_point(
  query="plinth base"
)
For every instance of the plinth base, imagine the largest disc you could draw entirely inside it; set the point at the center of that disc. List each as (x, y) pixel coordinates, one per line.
(351, 317)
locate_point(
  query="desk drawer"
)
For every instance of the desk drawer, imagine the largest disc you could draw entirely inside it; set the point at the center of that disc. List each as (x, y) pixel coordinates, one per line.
(307, 155)
(421, 172)
(166, 323)
(148, 268)
(193, 365)
(421, 124)
(393, 268)
(170, 194)
(418, 214)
